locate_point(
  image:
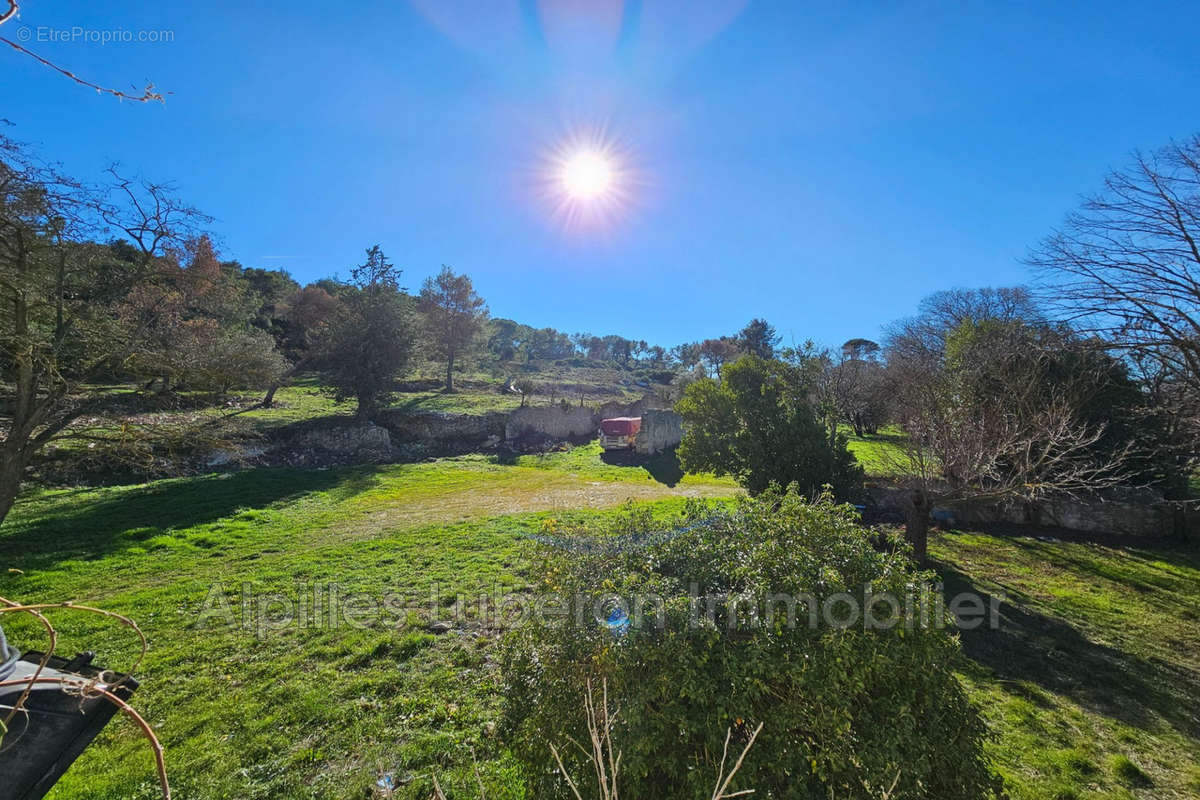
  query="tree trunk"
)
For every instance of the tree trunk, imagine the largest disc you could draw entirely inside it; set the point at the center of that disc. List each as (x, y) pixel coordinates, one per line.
(269, 399)
(13, 455)
(916, 523)
(450, 373)
(11, 472)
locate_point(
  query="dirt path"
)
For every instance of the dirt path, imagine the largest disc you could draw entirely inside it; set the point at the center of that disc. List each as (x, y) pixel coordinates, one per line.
(500, 498)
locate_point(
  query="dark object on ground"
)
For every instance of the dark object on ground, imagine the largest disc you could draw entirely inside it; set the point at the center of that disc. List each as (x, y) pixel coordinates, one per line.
(53, 727)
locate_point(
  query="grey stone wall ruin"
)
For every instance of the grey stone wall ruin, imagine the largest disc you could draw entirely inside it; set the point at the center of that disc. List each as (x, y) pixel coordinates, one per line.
(661, 430)
(554, 422)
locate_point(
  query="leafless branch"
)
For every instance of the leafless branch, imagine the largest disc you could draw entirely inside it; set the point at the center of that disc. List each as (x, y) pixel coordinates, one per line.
(1126, 265)
(605, 758)
(147, 95)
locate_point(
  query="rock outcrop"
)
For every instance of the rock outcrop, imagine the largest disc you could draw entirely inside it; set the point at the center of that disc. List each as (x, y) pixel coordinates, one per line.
(349, 443)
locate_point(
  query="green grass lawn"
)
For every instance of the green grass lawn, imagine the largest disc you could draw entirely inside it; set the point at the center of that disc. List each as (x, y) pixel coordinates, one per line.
(306, 399)
(317, 710)
(880, 454)
(1092, 683)
(1091, 686)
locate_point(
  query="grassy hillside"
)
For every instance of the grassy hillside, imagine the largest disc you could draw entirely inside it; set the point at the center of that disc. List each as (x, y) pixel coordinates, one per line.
(130, 411)
(881, 453)
(1083, 703)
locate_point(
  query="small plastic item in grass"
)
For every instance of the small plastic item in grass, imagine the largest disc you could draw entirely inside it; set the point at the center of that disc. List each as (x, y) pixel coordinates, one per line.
(617, 621)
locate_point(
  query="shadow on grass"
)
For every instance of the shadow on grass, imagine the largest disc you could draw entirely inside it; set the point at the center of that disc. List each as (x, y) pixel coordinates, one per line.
(663, 467)
(74, 526)
(1034, 647)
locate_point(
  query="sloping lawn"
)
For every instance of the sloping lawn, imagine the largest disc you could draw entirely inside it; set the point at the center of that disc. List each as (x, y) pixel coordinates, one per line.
(880, 454)
(1092, 685)
(251, 706)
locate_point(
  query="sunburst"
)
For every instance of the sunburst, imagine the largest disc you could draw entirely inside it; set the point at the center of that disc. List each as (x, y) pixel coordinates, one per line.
(588, 180)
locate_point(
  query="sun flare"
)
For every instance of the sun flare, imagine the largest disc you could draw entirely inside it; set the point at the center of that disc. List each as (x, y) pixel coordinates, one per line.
(588, 180)
(586, 175)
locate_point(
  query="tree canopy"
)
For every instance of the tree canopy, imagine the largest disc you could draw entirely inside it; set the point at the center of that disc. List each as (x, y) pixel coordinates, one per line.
(759, 425)
(454, 315)
(370, 339)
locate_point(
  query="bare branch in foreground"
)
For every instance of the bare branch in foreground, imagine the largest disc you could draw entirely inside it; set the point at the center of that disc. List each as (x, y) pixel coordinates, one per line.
(148, 94)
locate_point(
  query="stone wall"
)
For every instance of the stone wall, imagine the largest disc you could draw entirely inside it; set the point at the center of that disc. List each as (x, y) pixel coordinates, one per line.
(553, 422)
(446, 431)
(350, 443)
(660, 431)
(616, 408)
(1132, 513)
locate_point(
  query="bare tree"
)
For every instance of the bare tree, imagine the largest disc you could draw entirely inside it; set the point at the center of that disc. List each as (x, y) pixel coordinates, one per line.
(1125, 268)
(999, 414)
(996, 451)
(857, 388)
(941, 312)
(60, 328)
(526, 387)
(1126, 265)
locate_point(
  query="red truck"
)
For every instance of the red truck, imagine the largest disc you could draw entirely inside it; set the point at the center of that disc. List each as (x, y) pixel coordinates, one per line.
(619, 433)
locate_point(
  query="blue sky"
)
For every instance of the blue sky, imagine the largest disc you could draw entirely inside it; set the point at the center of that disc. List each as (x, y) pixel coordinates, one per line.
(823, 165)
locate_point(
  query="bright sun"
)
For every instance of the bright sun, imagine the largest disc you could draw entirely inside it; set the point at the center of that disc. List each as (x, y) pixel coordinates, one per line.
(587, 180)
(586, 175)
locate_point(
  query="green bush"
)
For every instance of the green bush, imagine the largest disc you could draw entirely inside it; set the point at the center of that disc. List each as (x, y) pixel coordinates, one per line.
(845, 709)
(759, 425)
